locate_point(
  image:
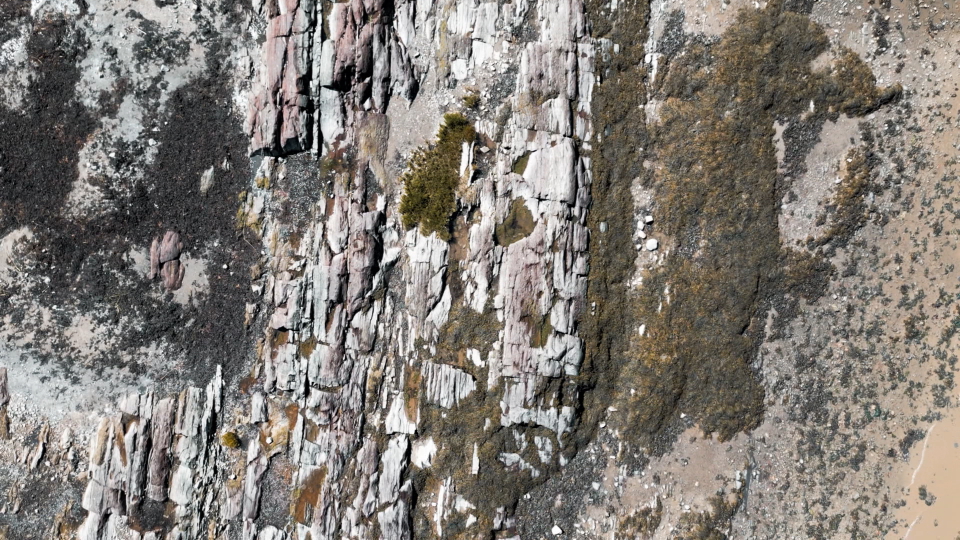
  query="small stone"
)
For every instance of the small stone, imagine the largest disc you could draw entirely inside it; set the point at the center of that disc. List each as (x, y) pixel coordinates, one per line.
(652, 244)
(648, 219)
(557, 531)
(269, 440)
(603, 226)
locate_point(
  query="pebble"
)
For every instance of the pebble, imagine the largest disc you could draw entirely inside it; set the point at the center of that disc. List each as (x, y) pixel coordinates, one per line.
(557, 531)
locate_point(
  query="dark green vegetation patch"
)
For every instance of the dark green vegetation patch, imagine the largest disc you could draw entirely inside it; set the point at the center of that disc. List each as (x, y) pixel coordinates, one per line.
(430, 185)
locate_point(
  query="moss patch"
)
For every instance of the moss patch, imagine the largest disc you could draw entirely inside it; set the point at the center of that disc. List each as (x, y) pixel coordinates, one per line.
(849, 210)
(712, 524)
(230, 440)
(619, 115)
(520, 165)
(641, 524)
(704, 307)
(517, 225)
(430, 185)
(471, 101)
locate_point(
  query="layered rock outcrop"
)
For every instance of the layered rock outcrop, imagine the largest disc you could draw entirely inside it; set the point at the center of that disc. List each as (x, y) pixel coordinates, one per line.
(320, 64)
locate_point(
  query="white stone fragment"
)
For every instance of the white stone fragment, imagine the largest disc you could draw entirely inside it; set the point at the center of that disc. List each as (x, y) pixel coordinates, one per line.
(421, 455)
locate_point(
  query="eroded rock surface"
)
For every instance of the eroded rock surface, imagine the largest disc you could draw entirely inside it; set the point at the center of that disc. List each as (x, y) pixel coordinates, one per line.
(663, 306)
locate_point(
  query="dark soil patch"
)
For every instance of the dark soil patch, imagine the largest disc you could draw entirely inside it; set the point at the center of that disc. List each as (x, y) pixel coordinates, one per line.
(151, 515)
(83, 263)
(199, 132)
(38, 147)
(49, 497)
(11, 12)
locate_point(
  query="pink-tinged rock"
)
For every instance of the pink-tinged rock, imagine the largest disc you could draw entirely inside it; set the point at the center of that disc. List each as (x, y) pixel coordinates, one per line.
(373, 6)
(154, 259)
(345, 57)
(292, 129)
(357, 10)
(274, 52)
(170, 247)
(339, 20)
(288, 6)
(278, 121)
(263, 122)
(172, 275)
(363, 51)
(280, 27)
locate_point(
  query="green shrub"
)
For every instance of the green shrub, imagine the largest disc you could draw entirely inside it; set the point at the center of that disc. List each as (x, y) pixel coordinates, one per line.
(230, 440)
(430, 184)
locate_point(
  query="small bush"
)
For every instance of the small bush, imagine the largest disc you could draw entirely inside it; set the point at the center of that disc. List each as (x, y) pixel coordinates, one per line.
(430, 185)
(230, 440)
(471, 101)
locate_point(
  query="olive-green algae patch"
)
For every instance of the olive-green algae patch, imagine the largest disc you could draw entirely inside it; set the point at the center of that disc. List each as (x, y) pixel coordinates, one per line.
(520, 165)
(430, 185)
(517, 225)
(717, 194)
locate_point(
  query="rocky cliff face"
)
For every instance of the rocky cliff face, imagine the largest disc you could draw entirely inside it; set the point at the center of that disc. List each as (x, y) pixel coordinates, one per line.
(630, 323)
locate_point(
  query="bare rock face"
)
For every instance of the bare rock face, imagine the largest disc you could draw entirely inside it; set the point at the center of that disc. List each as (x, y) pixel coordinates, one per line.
(155, 450)
(4, 403)
(316, 71)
